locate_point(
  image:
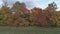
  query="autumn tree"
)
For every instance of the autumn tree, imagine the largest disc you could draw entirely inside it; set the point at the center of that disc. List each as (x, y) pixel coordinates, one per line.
(18, 14)
(3, 14)
(51, 10)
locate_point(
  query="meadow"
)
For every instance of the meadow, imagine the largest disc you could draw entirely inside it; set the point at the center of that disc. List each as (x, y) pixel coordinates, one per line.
(29, 30)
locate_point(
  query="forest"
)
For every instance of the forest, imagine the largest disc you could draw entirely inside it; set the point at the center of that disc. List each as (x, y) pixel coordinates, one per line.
(19, 15)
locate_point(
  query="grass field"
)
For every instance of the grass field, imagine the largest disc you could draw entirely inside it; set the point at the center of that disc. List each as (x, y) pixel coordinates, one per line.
(28, 30)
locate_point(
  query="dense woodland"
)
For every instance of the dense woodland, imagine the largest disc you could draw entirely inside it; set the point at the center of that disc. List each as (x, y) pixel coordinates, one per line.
(19, 15)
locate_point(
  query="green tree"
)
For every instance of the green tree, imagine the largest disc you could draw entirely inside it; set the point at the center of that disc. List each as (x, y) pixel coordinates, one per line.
(53, 5)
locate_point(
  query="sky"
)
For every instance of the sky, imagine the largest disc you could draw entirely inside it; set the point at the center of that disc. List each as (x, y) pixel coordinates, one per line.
(32, 3)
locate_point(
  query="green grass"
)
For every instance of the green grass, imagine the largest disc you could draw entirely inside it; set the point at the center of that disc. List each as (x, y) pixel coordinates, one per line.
(28, 30)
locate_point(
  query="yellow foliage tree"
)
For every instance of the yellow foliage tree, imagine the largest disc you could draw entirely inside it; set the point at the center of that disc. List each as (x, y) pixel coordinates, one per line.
(53, 16)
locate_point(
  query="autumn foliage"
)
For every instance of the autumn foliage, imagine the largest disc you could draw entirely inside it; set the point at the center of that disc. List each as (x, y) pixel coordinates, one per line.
(19, 15)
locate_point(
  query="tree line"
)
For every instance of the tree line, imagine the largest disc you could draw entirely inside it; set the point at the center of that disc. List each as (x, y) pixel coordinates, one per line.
(19, 15)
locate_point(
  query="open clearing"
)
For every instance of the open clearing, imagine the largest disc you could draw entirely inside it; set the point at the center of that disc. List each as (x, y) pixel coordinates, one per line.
(28, 30)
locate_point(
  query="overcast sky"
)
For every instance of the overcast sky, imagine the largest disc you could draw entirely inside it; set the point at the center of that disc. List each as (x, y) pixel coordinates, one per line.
(33, 3)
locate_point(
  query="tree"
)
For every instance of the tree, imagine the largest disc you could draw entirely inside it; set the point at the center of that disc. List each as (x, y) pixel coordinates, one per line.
(51, 10)
(53, 5)
(3, 15)
(18, 5)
